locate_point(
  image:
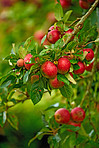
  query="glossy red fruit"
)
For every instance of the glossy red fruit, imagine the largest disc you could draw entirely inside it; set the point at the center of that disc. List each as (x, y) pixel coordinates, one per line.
(49, 69)
(84, 4)
(89, 67)
(63, 65)
(55, 83)
(68, 32)
(90, 1)
(34, 78)
(78, 114)
(54, 28)
(65, 3)
(20, 63)
(53, 36)
(81, 69)
(74, 123)
(90, 54)
(62, 116)
(27, 60)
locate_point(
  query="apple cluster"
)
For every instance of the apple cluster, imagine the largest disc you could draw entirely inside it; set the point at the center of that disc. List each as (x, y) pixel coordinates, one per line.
(85, 4)
(50, 69)
(62, 65)
(75, 117)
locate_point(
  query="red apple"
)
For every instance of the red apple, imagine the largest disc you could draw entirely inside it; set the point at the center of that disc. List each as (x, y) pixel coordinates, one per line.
(63, 65)
(20, 63)
(55, 83)
(27, 60)
(84, 4)
(74, 123)
(34, 78)
(49, 69)
(90, 54)
(62, 116)
(78, 114)
(81, 69)
(89, 67)
(53, 36)
(65, 3)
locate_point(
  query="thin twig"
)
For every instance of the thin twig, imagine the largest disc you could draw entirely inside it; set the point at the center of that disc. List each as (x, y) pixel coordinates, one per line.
(78, 26)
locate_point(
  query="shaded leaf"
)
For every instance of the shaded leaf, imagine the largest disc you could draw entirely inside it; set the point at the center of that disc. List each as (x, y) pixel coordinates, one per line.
(26, 76)
(13, 120)
(70, 78)
(67, 15)
(61, 77)
(66, 91)
(58, 12)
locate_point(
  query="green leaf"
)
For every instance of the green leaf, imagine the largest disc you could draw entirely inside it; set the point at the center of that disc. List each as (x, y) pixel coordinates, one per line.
(61, 77)
(43, 39)
(54, 141)
(22, 52)
(73, 61)
(67, 15)
(13, 120)
(66, 91)
(76, 66)
(71, 79)
(58, 12)
(36, 92)
(36, 95)
(25, 78)
(52, 123)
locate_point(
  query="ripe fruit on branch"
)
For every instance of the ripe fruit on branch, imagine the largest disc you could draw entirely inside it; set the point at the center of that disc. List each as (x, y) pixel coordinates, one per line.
(89, 67)
(63, 65)
(81, 69)
(78, 114)
(90, 54)
(53, 34)
(84, 4)
(27, 60)
(65, 3)
(74, 123)
(49, 69)
(34, 78)
(20, 63)
(62, 116)
(55, 83)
